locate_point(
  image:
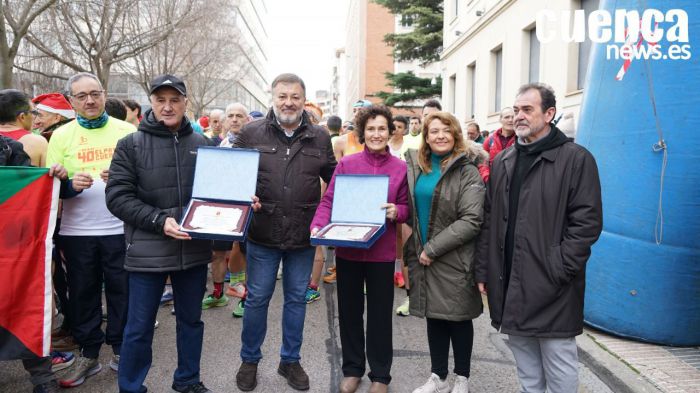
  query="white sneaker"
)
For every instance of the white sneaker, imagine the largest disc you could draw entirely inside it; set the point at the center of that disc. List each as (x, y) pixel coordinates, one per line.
(461, 385)
(434, 385)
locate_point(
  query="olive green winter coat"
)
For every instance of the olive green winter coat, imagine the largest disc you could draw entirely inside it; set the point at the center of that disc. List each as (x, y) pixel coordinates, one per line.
(446, 289)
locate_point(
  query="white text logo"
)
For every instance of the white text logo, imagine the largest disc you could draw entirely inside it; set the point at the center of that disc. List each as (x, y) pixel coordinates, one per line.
(653, 35)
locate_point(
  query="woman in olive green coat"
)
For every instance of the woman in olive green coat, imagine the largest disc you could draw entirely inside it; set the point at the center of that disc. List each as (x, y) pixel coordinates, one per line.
(446, 198)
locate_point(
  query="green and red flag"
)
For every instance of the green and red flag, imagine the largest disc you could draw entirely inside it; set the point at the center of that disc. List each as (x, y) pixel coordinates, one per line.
(28, 207)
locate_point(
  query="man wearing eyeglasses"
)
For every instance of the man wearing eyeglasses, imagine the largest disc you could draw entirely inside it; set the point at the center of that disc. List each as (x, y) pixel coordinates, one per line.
(16, 118)
(91, 238)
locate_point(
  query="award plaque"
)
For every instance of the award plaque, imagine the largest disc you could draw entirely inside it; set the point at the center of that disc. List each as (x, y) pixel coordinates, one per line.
(357, 218)
(348, 232)
(215, 218)
(224, 182)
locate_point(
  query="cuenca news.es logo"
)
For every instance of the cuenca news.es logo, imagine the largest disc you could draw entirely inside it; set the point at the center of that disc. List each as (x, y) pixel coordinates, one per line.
(628, 35)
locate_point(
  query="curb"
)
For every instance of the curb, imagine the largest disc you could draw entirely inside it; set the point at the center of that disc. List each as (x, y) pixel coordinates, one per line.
(613, 371)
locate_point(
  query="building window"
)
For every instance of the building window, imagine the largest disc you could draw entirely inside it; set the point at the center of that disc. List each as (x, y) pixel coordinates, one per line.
(471, 90)
(452, 88)
(584, 48)
(534, 69)
(455, 8)
(497, 61)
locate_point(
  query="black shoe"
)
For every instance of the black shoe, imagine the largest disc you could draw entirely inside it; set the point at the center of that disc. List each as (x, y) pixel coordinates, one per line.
(48, 387)
(246, 378)
(295, 374)
(194, 388)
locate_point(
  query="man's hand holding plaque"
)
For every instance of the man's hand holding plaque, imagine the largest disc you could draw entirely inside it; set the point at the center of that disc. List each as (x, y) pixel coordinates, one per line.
(256, 203)
(172, 229)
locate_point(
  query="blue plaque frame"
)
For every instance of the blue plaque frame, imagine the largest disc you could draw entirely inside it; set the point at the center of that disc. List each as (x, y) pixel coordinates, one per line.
(352, 190)
(240, 167)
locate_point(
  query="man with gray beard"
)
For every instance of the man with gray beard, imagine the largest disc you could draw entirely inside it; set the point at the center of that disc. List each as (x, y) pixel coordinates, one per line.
(294, 156)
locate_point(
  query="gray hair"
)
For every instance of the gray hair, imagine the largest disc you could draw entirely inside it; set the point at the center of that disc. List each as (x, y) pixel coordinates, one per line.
(217, 112)
(236, 105)
(79, 76)
(507, 108)
(289, 78)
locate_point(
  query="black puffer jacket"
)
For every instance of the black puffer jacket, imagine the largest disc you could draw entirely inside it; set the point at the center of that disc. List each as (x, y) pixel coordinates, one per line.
(288, 180)
(150, 179)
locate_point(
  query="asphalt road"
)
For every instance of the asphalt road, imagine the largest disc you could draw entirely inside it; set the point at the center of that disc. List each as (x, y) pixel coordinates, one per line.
(493, 369)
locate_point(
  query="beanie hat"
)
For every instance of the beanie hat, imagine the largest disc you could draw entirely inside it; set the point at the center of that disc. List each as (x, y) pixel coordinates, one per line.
(54, 103)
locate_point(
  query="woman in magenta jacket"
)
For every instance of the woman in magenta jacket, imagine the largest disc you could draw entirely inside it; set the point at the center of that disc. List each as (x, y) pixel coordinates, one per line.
(374, 266)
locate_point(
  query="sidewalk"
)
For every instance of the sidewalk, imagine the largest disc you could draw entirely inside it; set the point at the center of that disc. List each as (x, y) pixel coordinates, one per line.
(630, 366)
(608, 364)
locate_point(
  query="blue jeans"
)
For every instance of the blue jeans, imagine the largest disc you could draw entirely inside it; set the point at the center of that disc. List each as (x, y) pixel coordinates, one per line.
(261, 274)
(145, 290)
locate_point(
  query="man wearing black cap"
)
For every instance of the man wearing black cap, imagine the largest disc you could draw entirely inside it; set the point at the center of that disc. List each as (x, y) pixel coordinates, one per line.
(150, 184)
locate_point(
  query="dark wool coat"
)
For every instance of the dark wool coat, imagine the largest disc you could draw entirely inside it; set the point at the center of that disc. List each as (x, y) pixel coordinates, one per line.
(559, 219)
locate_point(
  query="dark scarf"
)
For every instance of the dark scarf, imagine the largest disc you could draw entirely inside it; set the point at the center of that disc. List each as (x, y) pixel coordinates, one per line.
(91, 124)
(50, 129)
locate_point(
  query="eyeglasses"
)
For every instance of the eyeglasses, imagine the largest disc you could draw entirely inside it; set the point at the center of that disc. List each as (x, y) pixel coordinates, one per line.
(33, 112)
(95, 95)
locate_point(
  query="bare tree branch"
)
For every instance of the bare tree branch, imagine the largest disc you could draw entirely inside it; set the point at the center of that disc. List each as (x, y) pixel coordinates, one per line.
(195, 39)
(40, 45)
(104, 33)
(52, 76)
(19, 26)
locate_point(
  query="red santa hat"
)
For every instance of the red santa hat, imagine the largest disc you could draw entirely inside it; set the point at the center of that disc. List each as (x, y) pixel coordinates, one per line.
(54, 103)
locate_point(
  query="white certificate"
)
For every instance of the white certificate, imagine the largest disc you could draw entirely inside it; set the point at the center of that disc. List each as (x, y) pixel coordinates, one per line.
(347, 232)
(216, 219)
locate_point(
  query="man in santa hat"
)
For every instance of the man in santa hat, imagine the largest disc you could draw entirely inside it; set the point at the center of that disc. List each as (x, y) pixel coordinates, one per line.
(53, 111)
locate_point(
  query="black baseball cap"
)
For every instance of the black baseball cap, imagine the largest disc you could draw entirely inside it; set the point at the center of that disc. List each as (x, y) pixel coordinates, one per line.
(169, 81)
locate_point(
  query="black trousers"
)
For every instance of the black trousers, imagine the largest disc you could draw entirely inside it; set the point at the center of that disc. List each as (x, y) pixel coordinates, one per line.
(60, 285)
(89, 259)
(440, 333)
(351, 279)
